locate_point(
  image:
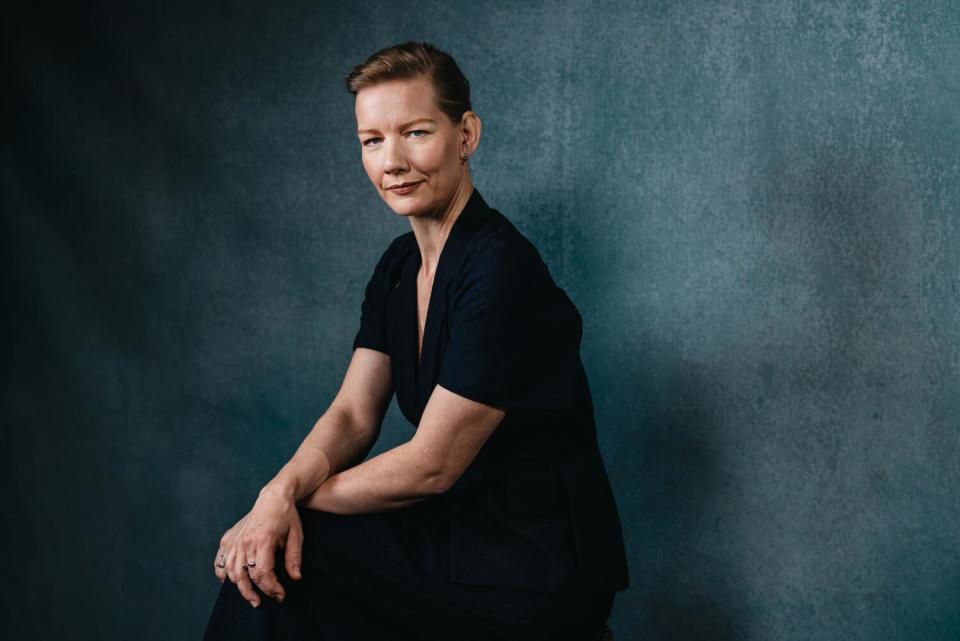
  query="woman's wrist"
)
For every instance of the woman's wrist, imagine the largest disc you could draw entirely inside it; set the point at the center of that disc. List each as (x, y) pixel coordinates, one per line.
(290, 484)
(281, 488)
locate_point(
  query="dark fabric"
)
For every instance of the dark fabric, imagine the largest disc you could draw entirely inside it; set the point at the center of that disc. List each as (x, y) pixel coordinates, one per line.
(535, 509)
(514, 335)
(373, 319)
(527, 543)
(364, 579)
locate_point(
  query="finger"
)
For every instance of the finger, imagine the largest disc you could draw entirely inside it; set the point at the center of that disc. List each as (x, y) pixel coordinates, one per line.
(238, 574)
(220, 565)
(293, 550)
(262, 573)
(246, 588)
(230, 569)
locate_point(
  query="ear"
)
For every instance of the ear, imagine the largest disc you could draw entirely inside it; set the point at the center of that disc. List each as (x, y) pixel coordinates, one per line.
(470, 127)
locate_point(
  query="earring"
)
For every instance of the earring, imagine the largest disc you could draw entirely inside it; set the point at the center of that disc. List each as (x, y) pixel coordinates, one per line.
(466, 154)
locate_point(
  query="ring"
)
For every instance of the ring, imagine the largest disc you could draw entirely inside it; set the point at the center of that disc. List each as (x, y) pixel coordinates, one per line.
(223, 562)
(251, 564)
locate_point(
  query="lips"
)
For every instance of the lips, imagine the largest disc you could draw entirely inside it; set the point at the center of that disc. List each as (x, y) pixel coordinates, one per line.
(404, 188)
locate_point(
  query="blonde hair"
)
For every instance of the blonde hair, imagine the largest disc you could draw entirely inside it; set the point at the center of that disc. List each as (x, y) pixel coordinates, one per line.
(412, 60)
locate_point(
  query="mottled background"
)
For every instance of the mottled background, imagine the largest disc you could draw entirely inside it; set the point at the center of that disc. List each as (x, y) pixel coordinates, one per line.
(753, 204)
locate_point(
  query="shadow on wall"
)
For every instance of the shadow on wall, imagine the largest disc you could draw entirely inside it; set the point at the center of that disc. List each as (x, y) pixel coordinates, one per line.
(687, 586)
(840, 282)
(661, 413)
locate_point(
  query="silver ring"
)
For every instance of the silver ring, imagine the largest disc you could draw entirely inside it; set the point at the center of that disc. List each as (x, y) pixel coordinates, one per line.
(223, 562)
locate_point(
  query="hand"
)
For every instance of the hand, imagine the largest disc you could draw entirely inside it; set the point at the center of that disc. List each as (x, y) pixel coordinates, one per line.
(247, 549)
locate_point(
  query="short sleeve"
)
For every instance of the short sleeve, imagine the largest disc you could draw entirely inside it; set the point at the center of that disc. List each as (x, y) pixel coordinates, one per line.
(373, 310)
(514, 335)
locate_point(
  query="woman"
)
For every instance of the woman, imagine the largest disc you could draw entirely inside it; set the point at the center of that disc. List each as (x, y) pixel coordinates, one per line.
(496, 519)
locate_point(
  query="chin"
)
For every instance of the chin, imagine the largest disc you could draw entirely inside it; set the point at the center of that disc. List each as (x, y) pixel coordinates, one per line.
(404, 206)
(403, 209)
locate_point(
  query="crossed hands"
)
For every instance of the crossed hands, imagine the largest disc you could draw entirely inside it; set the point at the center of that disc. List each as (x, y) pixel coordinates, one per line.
(247, 550)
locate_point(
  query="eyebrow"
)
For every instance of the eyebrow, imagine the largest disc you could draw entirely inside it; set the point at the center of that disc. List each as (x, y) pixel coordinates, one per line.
(403, 126)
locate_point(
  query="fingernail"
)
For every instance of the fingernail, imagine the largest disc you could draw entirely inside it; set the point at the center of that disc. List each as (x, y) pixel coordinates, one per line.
(253, 603)
(296, 570)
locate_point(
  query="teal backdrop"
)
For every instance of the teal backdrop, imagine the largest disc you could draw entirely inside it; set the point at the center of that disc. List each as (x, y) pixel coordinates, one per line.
(754, 206)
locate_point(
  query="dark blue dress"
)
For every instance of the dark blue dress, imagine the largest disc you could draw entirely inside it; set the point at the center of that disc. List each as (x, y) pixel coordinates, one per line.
(527, 544)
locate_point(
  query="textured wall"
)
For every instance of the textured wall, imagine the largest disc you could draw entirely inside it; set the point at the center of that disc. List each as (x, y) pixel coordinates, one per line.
(753, 204)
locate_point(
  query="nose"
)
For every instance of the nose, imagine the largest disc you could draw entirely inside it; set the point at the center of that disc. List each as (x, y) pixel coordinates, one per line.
(394, 159)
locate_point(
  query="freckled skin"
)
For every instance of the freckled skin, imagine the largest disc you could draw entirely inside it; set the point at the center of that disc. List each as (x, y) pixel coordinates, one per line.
(424, 151)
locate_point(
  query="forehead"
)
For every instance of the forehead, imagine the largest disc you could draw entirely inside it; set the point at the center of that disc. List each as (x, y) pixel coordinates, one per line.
(395, 102)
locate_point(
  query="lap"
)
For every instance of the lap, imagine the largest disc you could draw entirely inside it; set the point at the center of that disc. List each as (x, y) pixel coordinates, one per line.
(386, 575)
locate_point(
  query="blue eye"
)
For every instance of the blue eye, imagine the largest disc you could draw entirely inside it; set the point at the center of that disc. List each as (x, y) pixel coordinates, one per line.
(366, 143)
(418, 131)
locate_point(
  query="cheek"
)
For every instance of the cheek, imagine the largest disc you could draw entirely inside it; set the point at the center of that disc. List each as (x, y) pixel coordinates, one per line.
(438, 158)
(372, 169)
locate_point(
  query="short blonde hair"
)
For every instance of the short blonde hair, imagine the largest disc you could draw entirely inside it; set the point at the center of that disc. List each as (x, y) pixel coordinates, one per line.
(411, 60)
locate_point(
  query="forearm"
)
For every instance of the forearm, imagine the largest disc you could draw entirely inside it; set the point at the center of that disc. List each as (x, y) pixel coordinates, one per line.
(333, 444)
(391, 480)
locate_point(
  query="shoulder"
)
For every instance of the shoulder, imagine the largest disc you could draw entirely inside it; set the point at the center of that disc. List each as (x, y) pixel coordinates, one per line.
(499, 249)
(399, 248)
(504, 278)
(393, 257)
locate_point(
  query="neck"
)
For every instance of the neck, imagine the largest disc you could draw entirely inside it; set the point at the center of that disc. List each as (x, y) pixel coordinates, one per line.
(433, 228)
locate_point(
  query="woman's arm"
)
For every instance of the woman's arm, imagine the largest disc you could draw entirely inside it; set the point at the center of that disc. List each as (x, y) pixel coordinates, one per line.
(452, 431)
(340, 437)
(345, 432)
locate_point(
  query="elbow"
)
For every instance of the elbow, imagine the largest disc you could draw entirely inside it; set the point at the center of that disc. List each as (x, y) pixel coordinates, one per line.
(428, 469)
(431, 470)
(438, 482)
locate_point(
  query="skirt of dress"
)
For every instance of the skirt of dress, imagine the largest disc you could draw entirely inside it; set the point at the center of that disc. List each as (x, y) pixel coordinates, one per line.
(383, 576)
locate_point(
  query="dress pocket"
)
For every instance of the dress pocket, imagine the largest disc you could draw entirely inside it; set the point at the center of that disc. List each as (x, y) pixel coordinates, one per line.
(516, 534)
(534, 495)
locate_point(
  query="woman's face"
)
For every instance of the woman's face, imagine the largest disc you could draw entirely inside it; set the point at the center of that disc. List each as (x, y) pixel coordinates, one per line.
(406, 139)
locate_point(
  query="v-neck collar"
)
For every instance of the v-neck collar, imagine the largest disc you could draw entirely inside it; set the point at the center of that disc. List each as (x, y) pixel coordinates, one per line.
(424, 371)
